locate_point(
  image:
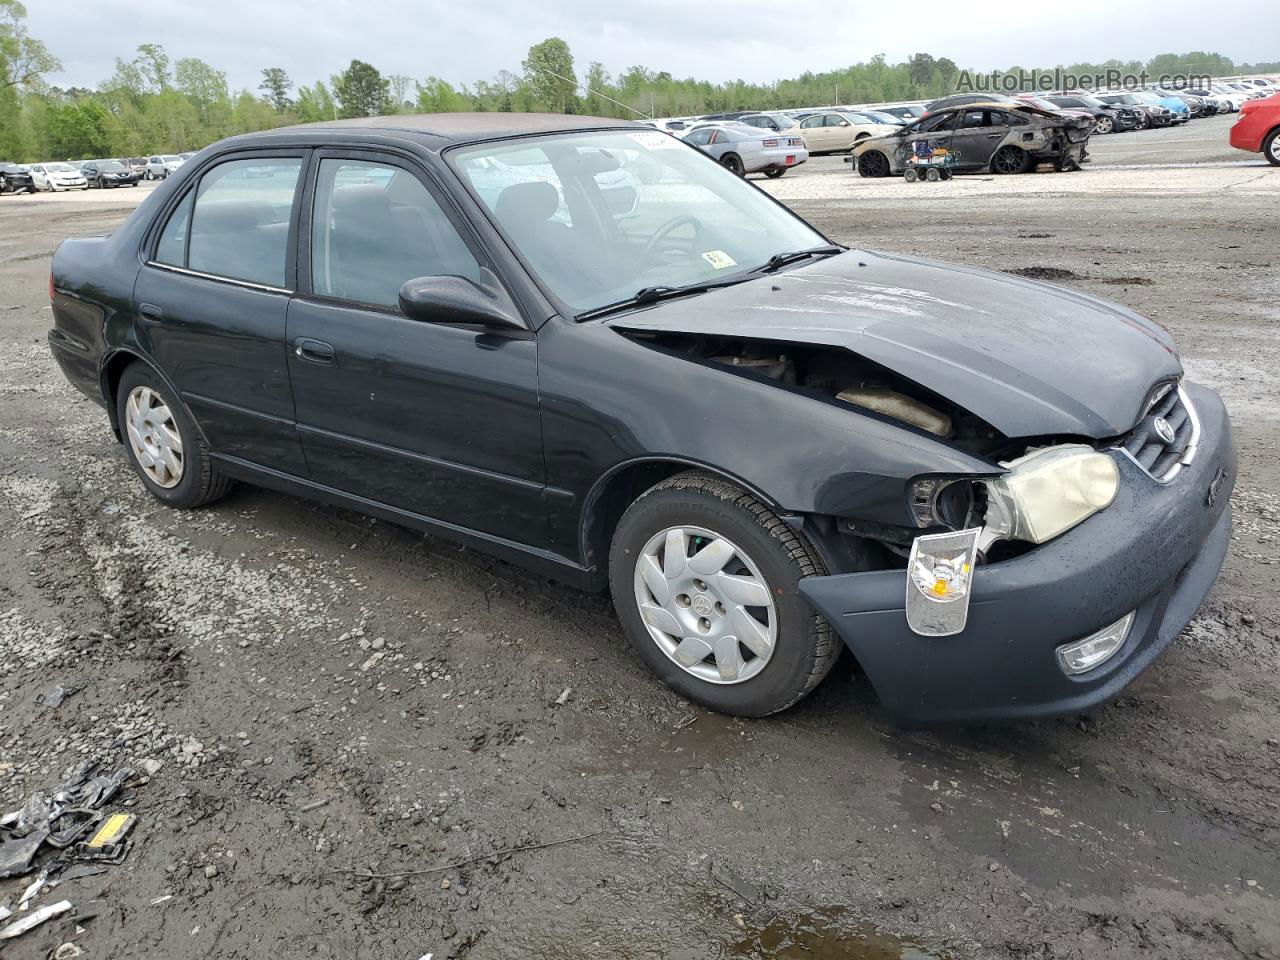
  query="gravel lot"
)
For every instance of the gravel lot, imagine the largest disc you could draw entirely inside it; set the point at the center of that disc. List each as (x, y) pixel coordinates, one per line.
(328, 702)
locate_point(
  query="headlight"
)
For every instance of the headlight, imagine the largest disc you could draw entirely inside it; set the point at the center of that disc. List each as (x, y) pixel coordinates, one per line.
(1049, 491)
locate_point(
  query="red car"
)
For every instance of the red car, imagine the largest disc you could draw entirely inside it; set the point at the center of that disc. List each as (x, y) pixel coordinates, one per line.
(1258, 129)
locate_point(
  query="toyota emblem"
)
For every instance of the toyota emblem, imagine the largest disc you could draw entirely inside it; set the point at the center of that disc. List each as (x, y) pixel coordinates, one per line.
(1163, 429)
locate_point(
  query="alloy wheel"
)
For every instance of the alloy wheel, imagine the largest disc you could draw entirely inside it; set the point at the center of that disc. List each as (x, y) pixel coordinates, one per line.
(706, 604)
(873, 164)
(1273, 151)
(1105, 125)
(154, 437)
(1009, 160)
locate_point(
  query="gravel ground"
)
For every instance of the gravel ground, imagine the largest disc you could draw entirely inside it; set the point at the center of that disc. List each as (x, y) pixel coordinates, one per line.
(327, 703)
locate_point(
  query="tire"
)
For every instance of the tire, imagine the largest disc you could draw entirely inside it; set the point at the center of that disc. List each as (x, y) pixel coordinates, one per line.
(1271, 147)
(911, 175)
(199, 482)
(733, 163)
(764, 554)
(873, 163)
(1009, 159)
(773, 173)
(1104, 125)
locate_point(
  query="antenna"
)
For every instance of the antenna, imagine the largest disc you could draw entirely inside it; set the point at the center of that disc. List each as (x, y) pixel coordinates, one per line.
(595, 92)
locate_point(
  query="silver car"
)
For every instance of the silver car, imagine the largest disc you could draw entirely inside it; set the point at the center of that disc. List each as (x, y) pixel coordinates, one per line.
(744, 149)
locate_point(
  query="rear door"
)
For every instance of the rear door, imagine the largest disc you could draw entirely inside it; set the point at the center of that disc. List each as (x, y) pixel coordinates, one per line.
(441, 421)
(926, 137)
(211, 302)
(978, 135)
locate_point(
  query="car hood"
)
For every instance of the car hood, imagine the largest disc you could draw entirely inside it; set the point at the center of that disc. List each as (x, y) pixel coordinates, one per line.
(1029, 358)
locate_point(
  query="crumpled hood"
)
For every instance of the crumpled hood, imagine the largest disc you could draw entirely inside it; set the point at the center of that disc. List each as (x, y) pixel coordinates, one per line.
(1029, 358)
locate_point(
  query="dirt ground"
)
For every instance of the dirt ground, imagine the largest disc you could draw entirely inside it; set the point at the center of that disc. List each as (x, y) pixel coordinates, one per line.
(329, 697)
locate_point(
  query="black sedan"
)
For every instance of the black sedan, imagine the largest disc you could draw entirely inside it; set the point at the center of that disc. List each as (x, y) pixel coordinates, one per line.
(15, 178)
(108, 173)
(1108, 117)
(1003, 497)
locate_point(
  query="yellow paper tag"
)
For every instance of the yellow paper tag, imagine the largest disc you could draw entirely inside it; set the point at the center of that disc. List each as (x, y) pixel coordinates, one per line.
(111, 830)
(719, 259)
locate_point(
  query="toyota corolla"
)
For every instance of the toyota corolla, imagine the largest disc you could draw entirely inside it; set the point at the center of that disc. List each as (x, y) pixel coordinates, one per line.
(1003, 498)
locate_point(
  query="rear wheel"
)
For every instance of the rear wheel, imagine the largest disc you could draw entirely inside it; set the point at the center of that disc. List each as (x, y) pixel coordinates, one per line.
(873, 163)
(1009, 159)
(1271, 147)
(162, 443)
(733, 163)
(704, 578)
(773, 173)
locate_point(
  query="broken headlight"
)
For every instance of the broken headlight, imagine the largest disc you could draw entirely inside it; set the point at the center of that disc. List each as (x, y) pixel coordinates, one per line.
(1049, 491)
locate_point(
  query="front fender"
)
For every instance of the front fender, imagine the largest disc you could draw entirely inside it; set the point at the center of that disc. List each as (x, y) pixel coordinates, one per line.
(607, 401)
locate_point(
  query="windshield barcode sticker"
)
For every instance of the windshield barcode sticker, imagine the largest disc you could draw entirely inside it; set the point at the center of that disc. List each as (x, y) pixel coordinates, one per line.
(719, 259)
(655, 140)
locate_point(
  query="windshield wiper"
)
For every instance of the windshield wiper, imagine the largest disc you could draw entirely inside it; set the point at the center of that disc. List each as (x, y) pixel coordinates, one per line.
(779, 260)
(647, 295)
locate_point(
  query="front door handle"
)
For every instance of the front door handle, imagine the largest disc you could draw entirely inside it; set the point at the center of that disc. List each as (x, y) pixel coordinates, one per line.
(313, 351)
(994, 136)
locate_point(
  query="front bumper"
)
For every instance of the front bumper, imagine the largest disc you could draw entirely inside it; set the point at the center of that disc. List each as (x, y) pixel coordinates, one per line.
(1156, 551)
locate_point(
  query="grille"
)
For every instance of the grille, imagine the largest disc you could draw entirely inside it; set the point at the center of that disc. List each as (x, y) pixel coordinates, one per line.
(1159, 456)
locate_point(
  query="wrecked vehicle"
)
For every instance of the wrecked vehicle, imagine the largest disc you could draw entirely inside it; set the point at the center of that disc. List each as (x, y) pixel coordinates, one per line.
(1003, 497)
(996, 137)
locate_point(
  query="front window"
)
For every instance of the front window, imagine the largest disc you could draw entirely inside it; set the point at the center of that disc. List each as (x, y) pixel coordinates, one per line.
(600, 216)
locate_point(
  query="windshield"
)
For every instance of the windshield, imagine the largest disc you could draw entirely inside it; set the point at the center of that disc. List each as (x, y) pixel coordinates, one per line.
(108, 165)
(171, 159)
(60, 168)
(600, 216)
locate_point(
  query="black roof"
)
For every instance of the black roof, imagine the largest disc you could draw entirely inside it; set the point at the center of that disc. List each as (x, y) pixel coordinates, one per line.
(461, 127)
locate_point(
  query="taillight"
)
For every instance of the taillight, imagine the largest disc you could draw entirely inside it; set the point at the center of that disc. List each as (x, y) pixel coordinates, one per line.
(770, 143)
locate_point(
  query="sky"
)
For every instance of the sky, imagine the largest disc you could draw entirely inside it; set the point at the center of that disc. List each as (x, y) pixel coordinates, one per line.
(753, 40)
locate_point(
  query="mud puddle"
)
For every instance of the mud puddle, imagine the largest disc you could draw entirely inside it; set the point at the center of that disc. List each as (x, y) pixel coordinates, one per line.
(824, 934)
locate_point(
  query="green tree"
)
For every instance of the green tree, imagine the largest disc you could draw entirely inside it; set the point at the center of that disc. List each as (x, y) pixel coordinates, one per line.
(361, 91)
(437, 96)
(549, 73)
(23, 59)
(315, 104)
(153, 63)
(206, 88)
(276, 84)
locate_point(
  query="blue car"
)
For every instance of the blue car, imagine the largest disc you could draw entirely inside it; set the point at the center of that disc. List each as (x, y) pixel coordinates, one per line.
(1181, 112)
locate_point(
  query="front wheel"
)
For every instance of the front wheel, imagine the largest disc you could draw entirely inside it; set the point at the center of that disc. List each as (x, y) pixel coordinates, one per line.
(704, 578)
(1104, 125)
(1271, 147)
(873, 163)
(162, 443)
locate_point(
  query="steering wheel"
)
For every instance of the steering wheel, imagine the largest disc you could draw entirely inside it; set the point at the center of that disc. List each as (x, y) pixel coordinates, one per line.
(661, 233)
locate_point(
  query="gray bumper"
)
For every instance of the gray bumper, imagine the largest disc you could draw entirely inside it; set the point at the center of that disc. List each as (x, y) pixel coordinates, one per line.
(1156, 550)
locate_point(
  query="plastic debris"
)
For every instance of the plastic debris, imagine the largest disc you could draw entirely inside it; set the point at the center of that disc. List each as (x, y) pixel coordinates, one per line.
(61, 819)
(34, 919)
(564, 696)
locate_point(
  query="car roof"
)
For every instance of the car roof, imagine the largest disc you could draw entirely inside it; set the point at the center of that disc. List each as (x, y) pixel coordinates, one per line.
(443, 129)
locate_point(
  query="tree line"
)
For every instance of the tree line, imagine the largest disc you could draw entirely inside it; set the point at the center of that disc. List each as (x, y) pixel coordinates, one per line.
(152, 103)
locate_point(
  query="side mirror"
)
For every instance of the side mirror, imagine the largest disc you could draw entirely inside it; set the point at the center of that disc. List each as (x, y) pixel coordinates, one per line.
(457, 300)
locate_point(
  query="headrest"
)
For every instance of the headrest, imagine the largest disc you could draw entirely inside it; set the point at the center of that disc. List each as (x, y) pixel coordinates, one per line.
(527, 202)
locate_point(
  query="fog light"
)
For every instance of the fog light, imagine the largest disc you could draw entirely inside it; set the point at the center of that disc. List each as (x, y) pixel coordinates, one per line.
(1095, 649)
(939, 577)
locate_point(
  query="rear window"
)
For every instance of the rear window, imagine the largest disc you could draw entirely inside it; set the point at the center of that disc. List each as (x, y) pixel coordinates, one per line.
(235, 224)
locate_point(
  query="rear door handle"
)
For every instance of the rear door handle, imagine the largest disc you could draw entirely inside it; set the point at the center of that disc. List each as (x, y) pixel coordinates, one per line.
(994, 136)
(313, 351)
(150, 311)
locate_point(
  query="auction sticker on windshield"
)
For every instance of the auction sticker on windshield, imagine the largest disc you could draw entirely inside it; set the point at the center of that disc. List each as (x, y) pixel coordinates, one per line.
(719, 259)
(656, 141)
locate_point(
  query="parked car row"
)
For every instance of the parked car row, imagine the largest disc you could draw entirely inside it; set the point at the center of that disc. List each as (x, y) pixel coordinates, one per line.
(58, 175)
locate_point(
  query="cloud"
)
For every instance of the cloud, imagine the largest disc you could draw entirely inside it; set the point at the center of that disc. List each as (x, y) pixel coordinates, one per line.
(753, 40)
